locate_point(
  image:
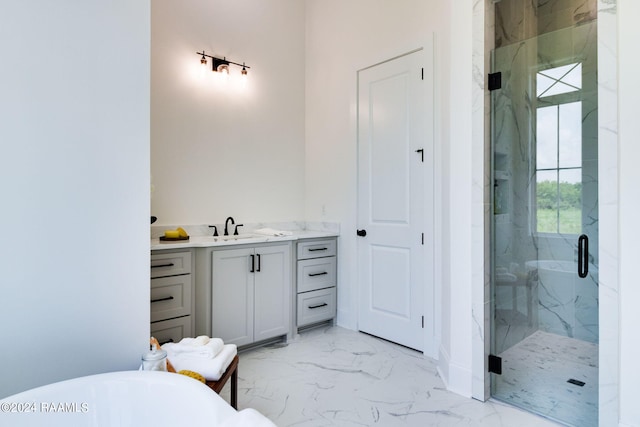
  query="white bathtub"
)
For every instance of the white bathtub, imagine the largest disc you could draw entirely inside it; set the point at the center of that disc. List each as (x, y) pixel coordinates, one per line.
(567, 304)
(131, 398)
(560, 266)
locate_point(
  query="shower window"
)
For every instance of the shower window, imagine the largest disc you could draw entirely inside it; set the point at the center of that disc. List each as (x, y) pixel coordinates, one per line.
(559, 80)
(558, 190)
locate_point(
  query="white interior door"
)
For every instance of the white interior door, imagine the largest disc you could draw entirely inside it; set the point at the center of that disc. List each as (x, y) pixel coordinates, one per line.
(391, 200)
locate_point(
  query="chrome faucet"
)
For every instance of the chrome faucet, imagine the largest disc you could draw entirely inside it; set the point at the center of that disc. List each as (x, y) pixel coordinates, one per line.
(226, 225)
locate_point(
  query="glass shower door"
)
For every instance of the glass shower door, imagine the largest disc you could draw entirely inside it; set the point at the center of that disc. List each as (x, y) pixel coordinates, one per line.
(545, 225)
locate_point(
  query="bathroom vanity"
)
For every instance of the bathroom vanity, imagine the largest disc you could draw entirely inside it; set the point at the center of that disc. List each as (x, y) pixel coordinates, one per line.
(246, 289)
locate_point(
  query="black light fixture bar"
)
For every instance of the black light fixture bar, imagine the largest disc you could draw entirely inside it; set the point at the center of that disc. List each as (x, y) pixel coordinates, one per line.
(219, 61)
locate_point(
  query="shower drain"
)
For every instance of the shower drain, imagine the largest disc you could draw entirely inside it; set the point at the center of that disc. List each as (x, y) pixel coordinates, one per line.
(576, 382)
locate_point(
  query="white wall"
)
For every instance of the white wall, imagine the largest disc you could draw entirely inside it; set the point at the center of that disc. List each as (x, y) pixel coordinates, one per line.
(455, 352)
(220, 149)
(75, 186)
(341, 38)
(629, 178)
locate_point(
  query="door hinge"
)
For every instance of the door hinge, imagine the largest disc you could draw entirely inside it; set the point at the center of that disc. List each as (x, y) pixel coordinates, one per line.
(423, 74)
(423, 238)
(495, 81)
(422, 322)
(495, 364)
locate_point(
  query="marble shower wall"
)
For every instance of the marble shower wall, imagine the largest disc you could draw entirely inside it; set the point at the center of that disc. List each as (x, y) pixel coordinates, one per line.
(519, 20)
(521, 55)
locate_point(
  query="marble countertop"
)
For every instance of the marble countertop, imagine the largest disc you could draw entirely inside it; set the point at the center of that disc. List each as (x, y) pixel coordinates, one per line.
(198, 237)
(242, 239)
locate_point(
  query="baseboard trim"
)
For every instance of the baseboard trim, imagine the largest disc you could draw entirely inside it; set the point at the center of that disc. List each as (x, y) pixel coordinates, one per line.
(457, 379)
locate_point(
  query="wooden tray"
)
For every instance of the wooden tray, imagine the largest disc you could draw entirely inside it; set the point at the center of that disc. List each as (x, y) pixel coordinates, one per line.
(172, 239)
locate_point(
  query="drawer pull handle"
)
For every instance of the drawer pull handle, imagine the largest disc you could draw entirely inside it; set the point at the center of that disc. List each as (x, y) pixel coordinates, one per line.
(163, 265)
(317, 274)
(162, 299)
(166, 341)
(324, 304)
(317, 249)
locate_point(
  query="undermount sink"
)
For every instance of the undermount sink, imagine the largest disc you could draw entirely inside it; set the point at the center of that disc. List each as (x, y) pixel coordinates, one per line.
(238, 237)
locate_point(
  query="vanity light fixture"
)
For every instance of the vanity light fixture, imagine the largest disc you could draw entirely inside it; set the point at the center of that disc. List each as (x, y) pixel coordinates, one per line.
(221, 65)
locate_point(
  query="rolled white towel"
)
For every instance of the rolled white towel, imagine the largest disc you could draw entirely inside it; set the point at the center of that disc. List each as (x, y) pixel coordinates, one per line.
(201, 340)
(272, 232)
(211, 369)
(194, 347)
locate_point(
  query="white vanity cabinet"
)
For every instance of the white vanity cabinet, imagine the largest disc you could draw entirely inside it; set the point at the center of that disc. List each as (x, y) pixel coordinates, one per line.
(251, 293)
(316, 281)
(171, 295)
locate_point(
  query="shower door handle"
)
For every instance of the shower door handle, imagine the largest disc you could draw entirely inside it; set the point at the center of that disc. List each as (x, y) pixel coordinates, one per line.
(583, 256)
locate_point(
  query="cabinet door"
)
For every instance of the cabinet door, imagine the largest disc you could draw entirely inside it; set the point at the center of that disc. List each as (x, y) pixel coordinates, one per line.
(272, 291)
(232, 296)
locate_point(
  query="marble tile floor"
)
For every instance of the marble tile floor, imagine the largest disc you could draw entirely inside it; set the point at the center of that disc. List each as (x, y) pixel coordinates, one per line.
(535, 373)
(333, 376)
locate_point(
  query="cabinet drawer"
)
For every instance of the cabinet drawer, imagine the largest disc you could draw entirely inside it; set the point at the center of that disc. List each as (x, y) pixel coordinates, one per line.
(316, 274)
(172, 330)
(170, 297)
(316, 306)
(170, 264)
(316, 248)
